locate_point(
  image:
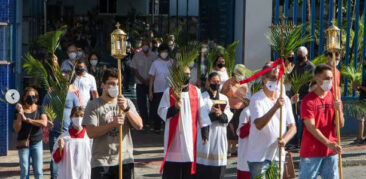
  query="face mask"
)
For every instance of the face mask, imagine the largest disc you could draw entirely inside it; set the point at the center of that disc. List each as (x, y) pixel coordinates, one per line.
(220, 65)
(337, 62)
(72, 55)
(187, 80)
(164, 55)
(171, 47)
(272, 86)
(31, 100)
(79, 71)
(113, 91)
(145, 48)
(215, 87)
(76, 121)
(300, 58)
(327, 85)
(239, 78)
(80, 55)
(94, 62)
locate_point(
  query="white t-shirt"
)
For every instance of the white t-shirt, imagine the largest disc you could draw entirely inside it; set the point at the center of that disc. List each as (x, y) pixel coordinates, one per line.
(265, 141)
(242, 164)
(160, 69)
(181, 149)
(142, 64)
(223, 75)
(85, 85)
(214, 152)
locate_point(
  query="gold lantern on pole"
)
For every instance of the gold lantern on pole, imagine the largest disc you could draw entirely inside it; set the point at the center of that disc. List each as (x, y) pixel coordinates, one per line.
(118, 51)
(333, 44)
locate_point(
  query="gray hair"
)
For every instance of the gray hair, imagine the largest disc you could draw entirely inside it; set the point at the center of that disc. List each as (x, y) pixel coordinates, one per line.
(303, 49)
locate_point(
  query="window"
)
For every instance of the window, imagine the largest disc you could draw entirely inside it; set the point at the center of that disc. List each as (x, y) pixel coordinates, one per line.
(107, 6)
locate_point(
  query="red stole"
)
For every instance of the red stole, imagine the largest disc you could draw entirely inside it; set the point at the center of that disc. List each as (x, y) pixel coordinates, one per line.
(174, 124)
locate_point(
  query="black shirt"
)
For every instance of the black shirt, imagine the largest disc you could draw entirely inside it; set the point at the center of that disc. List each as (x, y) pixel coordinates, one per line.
(34, 132)
(307, 67)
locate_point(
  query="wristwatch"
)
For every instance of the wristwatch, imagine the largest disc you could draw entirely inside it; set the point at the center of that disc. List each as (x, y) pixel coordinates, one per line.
(127, 109)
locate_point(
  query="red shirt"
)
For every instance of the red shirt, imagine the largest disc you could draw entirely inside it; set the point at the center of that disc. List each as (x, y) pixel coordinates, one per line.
(323, 111)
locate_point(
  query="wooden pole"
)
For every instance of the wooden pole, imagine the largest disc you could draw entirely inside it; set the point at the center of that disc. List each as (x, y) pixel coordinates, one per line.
(280, 136)
(120, 126)
(337, 117)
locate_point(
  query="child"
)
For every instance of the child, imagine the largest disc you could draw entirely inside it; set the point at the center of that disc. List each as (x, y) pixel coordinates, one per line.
(243, 133)
(74, 158)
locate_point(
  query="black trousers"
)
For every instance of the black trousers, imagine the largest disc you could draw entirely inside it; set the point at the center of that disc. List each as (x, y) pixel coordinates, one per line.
(154, 110)
(177, 170)
(142, 93)
(112, 172)
(210, 172)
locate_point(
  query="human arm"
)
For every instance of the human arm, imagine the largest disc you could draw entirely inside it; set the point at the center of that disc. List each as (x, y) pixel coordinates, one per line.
(132, 116)
(261, 122)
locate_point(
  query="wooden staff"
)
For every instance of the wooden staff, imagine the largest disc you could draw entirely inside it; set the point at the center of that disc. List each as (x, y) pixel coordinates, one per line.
(120, 126)
(337, 114)
(281, 121)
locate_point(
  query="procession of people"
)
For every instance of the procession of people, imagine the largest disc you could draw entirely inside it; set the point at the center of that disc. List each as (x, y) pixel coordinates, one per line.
(216, 114)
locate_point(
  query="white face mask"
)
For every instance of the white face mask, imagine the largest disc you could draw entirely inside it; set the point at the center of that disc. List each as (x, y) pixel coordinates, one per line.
(113, 91)
(76, 121)
(239, 78)
(93, 62)
(145, 48)
(273, 86)
(72, 55)
(327, 85)
(164, 55)
(80, 55)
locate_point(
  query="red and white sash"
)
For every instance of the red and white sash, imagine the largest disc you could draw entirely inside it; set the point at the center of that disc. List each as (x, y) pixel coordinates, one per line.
(174, 123)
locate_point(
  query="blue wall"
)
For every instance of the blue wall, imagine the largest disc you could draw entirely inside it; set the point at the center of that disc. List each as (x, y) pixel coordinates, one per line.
(7, 17)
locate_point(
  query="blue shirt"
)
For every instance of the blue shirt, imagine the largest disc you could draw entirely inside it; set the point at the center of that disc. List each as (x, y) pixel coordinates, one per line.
(71, 102)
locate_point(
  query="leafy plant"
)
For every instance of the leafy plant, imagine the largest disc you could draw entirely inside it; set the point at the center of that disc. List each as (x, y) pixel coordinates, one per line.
(51, 40)
(290, 39)
(229, 56)
(177, 77)
(298, 80)
(322, 59)
(271, 173)
(354, 76)
(355, 109)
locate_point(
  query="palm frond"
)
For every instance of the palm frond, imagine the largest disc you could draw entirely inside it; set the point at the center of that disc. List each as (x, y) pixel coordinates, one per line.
(320, 60)
(212, 55)
(290, 38)
(50, 113)
(229, 56)
(273, 172)
(36, 69)
(297, 80)
(50, 40)
(355, 76)
(177, 77)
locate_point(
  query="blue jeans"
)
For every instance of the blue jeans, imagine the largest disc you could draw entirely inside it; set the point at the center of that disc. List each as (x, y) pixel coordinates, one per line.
(36, 152)
(257, 168)
(327, 167)
(53, 166)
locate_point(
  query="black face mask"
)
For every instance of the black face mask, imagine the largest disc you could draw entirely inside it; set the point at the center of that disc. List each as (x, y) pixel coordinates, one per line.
(79, 71)
(220, 65)
(186, 82)
(300, 59)
(290, 59)
(215, 87)
(31, 100)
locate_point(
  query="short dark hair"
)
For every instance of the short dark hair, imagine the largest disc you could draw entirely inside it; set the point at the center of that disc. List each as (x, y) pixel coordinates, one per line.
(212, 74)
(268, 65)
(162, 47)
(321, 68)
(26, 91)
(76, 110)
(111, 72)
(91, 54)
(81, 61)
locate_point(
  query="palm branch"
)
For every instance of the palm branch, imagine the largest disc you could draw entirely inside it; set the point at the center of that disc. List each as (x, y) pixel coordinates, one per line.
(290, 38)
(50, 113)
(51, 40)
(320, 60)
(271, 173)
(256, 86)
(354, 76)
(298, 80)
(212, 55)
(229, 56)
(177, 75)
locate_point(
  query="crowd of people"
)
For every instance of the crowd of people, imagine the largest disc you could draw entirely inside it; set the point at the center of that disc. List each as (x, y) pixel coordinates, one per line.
(210, 122)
